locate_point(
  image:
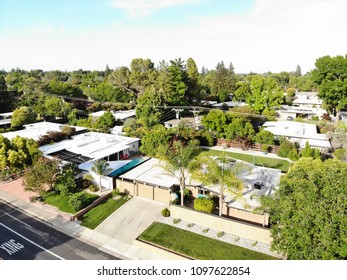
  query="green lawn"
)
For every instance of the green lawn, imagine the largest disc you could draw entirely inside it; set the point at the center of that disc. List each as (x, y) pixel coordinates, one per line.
(61, 202)
(281, 164)
(196, 245)
(99, 213)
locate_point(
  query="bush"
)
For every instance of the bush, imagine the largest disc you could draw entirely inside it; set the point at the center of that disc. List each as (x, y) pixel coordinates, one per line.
(264, 137)
(285, 148)
(340, 154)
(115, 192)
(220, 234)
(176, 221)
(93, 188)
(165, 212)
(203, 204)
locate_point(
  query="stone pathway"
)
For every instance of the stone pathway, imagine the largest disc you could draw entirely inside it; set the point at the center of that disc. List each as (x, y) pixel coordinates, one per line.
(229, 238)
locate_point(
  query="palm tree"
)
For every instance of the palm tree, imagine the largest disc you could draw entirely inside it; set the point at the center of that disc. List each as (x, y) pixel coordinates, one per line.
(100, 167)
(220, 172)
(176, 159)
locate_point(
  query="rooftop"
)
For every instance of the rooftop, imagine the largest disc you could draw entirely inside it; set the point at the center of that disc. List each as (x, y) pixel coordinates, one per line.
(91, 144)
(298, 131)
(118, 115)
(36, 130)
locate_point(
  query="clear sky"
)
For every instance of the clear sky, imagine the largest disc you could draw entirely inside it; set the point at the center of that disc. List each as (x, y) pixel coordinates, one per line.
(255, 35)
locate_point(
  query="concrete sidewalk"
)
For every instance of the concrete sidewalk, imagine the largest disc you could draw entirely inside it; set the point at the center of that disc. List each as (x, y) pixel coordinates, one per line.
(73, 229)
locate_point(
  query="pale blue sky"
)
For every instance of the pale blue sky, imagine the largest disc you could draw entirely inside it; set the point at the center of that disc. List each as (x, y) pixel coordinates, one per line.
(255, 35)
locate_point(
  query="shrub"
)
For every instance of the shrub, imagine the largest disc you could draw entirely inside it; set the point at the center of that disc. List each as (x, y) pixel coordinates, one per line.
(264, 137)
(220, 234)
(285, 148)
(176, 221)
(165, 212)
(254, 243)
(205, 230)
(115, 192)
(68, 130)
(203, 204)
(93, 188)
(340, 154)
(190, 225)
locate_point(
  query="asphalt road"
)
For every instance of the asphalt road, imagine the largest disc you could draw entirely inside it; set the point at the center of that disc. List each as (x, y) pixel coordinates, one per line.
(25, 238)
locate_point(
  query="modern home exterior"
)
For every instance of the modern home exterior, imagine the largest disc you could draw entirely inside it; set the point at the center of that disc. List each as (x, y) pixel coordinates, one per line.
(151, 181)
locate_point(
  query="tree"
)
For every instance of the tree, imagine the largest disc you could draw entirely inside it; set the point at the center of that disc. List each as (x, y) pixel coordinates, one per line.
(175, 158)
(264, 137)
(308, 211)
(260, 92)
(66, 179)
(21, 116)
(3, 86)
(219, 172)
(40, 175)
(223, 81)
(105, 122)
(310, 152)
(330, 75)
(100, 167)
(157, 136)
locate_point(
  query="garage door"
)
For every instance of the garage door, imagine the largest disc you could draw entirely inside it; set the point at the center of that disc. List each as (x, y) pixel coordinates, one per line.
(145, 191)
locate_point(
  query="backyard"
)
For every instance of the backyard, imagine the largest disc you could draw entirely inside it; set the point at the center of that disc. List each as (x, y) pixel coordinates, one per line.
(280, 164)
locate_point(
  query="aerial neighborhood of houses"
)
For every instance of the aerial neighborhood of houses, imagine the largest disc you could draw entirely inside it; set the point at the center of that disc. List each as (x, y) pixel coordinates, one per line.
(211, 166)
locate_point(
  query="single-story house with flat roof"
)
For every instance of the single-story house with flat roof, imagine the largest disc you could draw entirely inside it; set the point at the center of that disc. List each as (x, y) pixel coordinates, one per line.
(151, 181)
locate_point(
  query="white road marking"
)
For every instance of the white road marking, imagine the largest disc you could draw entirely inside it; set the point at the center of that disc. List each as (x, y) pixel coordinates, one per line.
(32, 242)
(17, 220)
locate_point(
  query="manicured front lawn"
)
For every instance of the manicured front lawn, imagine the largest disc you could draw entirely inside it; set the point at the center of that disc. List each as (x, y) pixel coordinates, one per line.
(61, 202)
(99, 213)
(196, 245)
(280, 164)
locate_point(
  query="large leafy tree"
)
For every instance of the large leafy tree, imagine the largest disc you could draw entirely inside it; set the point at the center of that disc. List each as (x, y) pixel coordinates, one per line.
(153, 138)
(176, 158)
(260, 92)
(40, 176)
(220, 173)
(308, 211)
(23, 115)
(331, 76)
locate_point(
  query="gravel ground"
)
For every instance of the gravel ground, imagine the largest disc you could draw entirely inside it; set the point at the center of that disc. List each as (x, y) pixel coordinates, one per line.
(226, 237)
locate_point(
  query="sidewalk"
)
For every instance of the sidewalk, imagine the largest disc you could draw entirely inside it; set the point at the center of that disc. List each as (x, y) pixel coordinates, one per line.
(73, 229)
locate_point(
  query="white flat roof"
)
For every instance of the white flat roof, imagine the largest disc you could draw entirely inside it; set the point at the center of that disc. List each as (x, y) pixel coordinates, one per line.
(118, 115)
(302, 132)
(151, 172)
(36, 130)
(92, 144)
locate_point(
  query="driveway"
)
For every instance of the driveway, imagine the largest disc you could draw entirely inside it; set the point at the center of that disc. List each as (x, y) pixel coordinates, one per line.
(130, 220)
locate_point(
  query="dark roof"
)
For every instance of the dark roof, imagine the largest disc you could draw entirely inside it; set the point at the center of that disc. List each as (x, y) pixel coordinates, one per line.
(68, 156)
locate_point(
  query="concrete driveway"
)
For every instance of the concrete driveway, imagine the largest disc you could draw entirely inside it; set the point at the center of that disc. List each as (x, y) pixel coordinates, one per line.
(129, 221)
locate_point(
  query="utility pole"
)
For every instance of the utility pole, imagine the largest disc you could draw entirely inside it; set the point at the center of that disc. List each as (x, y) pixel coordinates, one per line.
(178, 111)
(195, 113)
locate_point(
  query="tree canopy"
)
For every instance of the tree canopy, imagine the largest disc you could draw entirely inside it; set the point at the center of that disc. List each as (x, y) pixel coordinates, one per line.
(308, 211)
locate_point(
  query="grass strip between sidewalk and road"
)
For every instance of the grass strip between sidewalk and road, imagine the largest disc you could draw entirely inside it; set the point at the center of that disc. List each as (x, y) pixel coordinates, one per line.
(99, 213)
(196, 245)
(280, 164)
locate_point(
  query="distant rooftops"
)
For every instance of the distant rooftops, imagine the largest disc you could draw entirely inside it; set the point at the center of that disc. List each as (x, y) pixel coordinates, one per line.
(118, 115)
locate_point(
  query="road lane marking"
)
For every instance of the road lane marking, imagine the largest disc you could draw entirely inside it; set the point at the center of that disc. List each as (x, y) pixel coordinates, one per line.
(17, 219)
(32, 242)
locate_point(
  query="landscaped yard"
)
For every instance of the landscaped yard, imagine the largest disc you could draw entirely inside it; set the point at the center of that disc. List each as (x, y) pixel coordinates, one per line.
(280, 164)
(62, 203)
(196, 245)
(99, 213)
